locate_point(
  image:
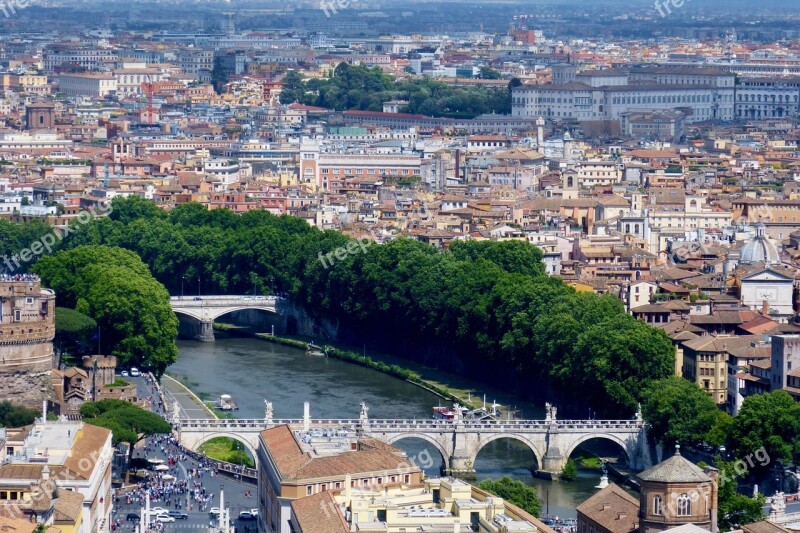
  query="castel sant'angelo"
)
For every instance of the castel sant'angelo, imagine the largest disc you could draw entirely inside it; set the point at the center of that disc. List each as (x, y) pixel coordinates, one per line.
(27, 329)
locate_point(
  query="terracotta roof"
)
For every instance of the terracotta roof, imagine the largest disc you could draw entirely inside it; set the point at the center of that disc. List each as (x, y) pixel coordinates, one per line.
(68, 506)
(613, 508)
(319, 513)
(293, 463)
(764, 526)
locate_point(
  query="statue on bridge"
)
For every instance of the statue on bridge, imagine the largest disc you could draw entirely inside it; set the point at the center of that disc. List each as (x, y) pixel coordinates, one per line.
(267, 413)
(639, 417)
(550, 412)
(176, 413)
(364, 415)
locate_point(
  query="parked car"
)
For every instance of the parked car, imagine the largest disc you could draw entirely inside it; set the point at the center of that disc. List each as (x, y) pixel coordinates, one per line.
(124, 373)
(180, 515)
(133, 517)
(135, 372)
(214, 512)
(254, 512)
(158, 510)
(246, 515)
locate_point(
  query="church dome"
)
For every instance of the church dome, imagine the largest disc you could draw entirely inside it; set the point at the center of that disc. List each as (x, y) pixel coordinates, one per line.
(759, 249)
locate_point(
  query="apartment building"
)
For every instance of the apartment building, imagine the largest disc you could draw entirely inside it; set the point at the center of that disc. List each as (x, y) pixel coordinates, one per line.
(761, 98)
(701, 94)
(130, 80)
(46, 462)
(89, 58)
(194, 62)
(296, 465)
(92, 84)
(319, 168)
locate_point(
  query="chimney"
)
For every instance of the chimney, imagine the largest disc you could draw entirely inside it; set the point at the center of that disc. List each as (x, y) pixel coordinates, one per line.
(306, 416)
(347, 481)
(458, 166)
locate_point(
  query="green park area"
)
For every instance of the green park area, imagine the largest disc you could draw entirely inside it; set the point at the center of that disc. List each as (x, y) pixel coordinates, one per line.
(228, 450)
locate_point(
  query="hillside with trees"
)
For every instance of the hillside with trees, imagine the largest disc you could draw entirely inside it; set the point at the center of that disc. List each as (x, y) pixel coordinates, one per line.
(366, 89)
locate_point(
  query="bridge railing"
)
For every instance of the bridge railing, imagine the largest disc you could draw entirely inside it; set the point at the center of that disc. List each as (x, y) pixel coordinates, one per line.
(418, 425)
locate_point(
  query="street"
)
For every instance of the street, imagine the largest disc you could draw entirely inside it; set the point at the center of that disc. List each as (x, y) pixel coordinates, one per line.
(193, 477)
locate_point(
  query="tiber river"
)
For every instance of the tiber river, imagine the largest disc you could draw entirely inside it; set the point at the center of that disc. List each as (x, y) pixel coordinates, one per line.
(251, 371)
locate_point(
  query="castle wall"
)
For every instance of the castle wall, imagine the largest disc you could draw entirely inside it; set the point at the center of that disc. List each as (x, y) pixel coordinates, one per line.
(27, 329)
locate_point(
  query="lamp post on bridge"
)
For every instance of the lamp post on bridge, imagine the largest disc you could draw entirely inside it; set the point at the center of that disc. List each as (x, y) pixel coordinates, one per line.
(183, 278)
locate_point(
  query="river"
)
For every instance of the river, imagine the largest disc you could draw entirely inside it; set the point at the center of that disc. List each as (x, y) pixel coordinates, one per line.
(251, 371)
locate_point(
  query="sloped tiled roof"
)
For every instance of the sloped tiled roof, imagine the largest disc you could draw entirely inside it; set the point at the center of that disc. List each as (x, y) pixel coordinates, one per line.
(613, 508)
(676, 469)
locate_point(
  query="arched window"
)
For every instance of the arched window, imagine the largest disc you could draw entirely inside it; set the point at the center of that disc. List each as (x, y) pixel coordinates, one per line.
(684, 505)
(658, 506)
(627, 228)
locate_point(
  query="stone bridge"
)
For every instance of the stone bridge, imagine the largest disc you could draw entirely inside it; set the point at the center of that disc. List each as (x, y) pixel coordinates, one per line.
(205, 309)
(551, 441)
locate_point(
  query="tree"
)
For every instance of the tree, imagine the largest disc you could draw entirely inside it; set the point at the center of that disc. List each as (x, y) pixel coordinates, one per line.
(678, 411)
(219, 75)
(488, 73)
(73, 330)
(569, 471)
(116, 289)
(127, 422)
(770, 421)
(15, 416)
(736, 509)
(514, 491)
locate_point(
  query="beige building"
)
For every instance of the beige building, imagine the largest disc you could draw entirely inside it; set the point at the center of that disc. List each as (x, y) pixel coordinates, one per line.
(296, 465)
(437, 505)
(94, 84)
(58, 473)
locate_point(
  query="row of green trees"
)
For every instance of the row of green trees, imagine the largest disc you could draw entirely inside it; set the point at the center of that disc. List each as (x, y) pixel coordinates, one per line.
(486, 306)
(363, 88)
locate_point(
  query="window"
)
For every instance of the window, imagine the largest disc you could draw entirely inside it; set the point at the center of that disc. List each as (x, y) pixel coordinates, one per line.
(309, 490)
(658, 506)
(684, 505)
(17, 315)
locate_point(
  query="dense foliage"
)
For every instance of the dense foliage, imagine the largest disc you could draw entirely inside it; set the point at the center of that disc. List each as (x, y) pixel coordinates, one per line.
(736, 509)
(514, 491)
(680, 412)
(114, 288)
(15, 416)
(770, 421)
(364, 88)
(127, 422)
(570, 470)
(487, 303)
(74, 331)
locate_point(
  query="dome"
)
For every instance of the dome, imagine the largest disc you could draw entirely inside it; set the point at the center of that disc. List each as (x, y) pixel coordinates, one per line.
(759, 249)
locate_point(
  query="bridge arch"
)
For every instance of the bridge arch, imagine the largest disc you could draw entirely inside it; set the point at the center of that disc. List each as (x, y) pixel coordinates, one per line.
(233, 436)
(537, 454)
(627, 446)
(423, 437)
(215, 314)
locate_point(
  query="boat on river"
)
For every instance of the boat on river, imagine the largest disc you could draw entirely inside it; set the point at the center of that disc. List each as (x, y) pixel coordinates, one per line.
(317, 351)
(460, 412)
(226, 403)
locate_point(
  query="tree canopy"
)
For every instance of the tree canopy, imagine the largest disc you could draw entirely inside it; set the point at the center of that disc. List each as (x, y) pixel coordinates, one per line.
(15, 416)
(115, 288)
(514, 491)
(127, 422)
(679, 411)
(73, 330)
(770, 421)
(736, 509)
(487, 306)
(364, 88)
